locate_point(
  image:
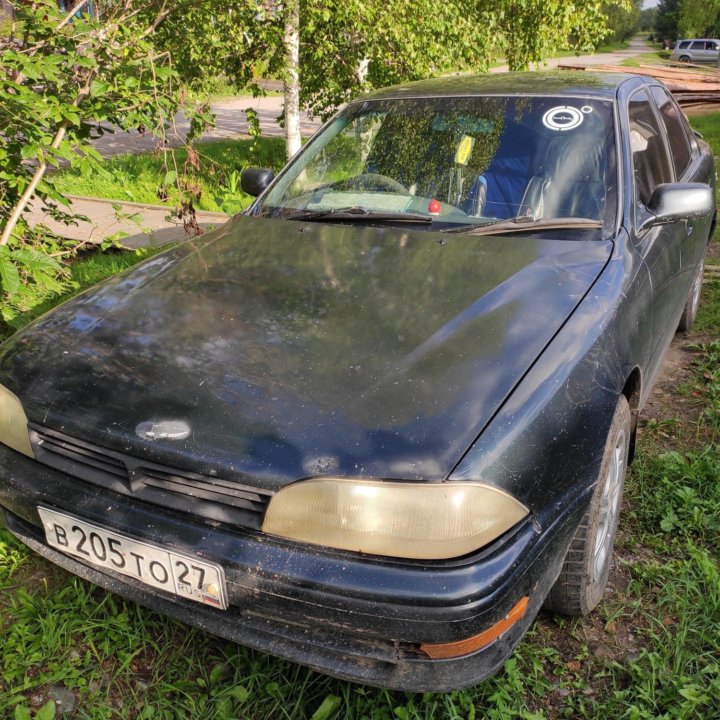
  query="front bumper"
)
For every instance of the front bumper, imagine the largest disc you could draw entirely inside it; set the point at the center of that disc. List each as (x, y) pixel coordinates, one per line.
(357, 618)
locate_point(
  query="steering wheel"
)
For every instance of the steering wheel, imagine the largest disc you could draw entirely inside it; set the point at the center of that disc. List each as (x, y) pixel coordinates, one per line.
(375, 181)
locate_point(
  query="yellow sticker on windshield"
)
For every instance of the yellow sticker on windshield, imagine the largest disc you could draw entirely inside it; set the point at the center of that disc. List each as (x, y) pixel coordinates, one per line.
(464, 150)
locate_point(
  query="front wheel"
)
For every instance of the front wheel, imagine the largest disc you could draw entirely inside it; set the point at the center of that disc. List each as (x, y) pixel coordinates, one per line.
(583, 578)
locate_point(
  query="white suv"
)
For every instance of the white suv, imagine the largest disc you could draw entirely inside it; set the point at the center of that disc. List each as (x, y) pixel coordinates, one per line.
(703, 50)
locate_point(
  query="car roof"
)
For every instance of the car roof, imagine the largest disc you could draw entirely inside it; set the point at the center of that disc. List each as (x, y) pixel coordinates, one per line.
(564, 82)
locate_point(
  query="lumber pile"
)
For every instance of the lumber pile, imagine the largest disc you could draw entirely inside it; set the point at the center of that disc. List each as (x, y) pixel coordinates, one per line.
(691, 85)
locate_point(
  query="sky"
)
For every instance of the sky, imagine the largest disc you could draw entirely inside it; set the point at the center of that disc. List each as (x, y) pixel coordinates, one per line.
(650, 3)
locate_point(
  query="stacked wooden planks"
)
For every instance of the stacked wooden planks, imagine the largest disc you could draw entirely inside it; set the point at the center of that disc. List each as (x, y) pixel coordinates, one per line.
(692, 85)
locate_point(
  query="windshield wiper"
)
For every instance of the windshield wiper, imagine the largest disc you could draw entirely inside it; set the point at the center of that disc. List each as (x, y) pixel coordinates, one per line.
(358, 212)
(527, 224)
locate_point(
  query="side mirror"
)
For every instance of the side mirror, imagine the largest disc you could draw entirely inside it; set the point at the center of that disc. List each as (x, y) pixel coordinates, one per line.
(254, 180)
(680, 201)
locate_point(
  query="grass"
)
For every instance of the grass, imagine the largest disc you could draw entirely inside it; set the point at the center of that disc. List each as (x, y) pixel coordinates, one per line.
(659, 57)
(220, 88)
(137, 178)
(651, 651)
(607, 47)
(709, 127)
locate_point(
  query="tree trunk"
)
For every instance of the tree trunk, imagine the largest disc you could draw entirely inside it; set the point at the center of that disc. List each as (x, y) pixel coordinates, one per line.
(19, 208)
(292, 77)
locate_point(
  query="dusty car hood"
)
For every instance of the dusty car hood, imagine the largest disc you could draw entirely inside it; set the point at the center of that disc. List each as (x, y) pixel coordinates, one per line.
(295, 349)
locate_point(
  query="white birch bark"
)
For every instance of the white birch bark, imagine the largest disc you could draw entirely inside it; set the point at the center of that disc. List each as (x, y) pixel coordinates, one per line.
(292, 77)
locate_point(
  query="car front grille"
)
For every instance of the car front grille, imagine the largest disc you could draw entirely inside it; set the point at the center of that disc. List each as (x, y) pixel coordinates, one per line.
(209, 497)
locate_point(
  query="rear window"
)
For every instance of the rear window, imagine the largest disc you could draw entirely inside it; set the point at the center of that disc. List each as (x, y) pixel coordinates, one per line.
(650, 160)
(675, 128)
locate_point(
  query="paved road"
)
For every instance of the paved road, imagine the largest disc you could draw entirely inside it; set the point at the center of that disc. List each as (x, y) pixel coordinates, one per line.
(230, 124)
(152, 225)
(636, 47)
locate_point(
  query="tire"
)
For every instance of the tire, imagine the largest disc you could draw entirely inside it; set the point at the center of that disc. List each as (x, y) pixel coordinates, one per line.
(584, 574)
(687, 319)
(684, 59)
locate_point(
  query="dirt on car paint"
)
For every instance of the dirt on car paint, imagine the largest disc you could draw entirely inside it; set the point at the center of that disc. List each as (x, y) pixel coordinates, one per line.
(611, 633)
(579, 649)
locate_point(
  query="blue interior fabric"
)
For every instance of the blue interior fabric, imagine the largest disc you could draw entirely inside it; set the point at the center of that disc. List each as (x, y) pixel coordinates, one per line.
(509, 172)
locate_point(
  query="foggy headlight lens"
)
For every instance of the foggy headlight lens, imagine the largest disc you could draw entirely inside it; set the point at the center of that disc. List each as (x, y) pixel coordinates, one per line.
(13, 423)
(409, 520)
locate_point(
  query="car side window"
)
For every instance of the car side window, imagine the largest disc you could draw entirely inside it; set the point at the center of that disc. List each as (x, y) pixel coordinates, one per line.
(651, 165)
(675, 128)
(698, 45)
(683, 45)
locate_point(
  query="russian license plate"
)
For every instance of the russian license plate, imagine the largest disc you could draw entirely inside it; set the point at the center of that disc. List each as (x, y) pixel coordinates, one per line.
(174, 572)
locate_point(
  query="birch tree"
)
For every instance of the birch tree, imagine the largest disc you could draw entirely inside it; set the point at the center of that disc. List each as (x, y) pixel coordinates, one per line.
(291, 39)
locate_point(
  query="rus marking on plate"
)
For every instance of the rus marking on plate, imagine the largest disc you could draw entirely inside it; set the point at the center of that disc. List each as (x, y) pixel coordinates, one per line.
(185, 575)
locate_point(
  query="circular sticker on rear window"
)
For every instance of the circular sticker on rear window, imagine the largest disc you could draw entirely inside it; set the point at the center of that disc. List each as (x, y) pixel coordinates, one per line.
(562, 117)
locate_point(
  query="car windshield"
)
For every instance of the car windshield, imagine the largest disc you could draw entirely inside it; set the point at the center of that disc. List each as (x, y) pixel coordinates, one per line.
(456, 161)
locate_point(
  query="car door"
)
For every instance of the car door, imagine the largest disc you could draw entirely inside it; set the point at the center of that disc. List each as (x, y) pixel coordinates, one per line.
(678, 136)
(698, 51)
(661, 246)
(713, 51)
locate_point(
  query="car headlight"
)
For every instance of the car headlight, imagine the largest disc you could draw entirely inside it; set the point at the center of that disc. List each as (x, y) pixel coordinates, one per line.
(429, 521)
(13, 423)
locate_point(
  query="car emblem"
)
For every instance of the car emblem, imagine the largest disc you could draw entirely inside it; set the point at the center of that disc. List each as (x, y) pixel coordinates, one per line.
(163, 430)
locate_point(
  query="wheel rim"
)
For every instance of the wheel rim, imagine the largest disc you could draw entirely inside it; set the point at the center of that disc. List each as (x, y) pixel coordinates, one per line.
(609, 505)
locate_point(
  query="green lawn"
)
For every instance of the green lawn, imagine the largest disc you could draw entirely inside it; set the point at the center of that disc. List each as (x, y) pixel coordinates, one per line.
(137, 178)
(650, 651)
(658, 57)
(709, 127)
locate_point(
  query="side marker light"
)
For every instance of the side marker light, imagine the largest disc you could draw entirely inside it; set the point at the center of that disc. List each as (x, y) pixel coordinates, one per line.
(444, 651)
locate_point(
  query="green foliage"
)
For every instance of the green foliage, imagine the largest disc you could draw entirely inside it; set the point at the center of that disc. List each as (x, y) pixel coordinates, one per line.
(678, 675)
(348, 47)
(667, 19)
(681, 495)
(698, 18)
(61, 80)
(647, 20)
(532, 30)
(222, 38)
(623, 22)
